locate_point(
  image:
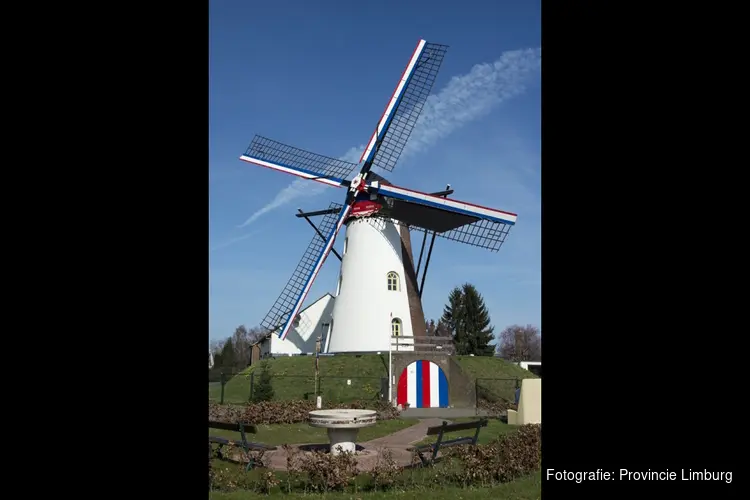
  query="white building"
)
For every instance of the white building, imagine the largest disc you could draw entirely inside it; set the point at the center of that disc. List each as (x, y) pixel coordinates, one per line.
(376, 297)
(313, 322)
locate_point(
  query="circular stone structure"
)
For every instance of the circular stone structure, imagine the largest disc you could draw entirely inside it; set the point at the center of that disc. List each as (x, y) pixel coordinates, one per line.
(343, 426)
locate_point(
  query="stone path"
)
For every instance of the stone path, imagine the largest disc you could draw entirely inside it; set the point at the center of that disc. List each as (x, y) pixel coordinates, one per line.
(398, 444)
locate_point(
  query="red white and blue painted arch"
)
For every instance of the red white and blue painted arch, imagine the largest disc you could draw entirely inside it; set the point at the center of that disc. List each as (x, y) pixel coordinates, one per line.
(423, 384)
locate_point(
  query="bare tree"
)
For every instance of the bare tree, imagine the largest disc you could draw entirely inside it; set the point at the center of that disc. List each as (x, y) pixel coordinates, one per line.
(256, 334)
(241, 344)
(442, 330)
(431, 328)
(521, 343)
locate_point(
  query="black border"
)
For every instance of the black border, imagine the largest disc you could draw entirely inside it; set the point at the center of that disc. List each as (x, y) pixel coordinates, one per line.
(630, 298)
(126, 123)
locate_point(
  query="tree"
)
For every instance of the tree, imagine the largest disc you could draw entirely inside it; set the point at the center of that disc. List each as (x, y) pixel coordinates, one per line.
(431, 328)
(227, 357)
(442, 330)
(468, 321)
(521, 343)
(263, 390)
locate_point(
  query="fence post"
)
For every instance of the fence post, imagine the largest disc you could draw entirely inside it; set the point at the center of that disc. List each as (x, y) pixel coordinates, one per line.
(223, 381)
(476, 395)
(252, 384)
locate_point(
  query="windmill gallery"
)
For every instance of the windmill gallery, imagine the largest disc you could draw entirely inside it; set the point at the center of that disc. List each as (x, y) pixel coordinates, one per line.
(378, 295)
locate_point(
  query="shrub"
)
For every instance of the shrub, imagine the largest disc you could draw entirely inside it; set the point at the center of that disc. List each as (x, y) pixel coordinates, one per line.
(263, 390)
(328, 472)
(495, 408)
(503, 460)
(288, 412)
(386, 470)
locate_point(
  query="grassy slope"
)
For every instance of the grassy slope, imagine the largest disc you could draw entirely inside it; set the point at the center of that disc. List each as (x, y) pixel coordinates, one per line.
(293, 377)
(496, 377)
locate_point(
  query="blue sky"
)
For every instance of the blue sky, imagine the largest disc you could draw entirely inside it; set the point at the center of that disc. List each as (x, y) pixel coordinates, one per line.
(317, 75)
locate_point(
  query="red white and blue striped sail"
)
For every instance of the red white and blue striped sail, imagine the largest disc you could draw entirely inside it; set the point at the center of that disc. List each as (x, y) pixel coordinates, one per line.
(423, 384)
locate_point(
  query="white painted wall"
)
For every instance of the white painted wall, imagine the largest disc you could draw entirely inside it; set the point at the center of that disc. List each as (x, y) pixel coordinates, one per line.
(525, 364)
(364, 306)
(301, 339)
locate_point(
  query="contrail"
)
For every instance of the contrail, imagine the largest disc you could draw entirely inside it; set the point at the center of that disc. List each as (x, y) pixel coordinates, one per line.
(232, 241)
(464, 99)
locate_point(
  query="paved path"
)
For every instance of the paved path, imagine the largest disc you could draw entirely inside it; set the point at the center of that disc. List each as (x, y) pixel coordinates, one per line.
(442, 413)
(398, 444)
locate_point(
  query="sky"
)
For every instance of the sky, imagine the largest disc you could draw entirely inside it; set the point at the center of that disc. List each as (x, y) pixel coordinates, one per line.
(317, 75)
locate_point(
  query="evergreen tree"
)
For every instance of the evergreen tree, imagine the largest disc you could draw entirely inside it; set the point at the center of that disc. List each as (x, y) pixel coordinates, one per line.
(227, 358)
(468, 320)
(263, 390)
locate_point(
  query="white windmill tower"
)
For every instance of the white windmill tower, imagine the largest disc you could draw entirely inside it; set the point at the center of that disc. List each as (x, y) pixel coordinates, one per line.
(377, 293)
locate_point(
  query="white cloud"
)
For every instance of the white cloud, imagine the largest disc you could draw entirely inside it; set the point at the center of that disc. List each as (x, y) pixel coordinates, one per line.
(464, 99)
(300, 188)
(231, 241)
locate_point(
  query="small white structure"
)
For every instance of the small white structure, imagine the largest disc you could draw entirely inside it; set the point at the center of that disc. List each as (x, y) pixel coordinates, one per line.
(313, 322)
(376, 294)
(534, 367)
(343, 427)
(210, 359)
(529, 404)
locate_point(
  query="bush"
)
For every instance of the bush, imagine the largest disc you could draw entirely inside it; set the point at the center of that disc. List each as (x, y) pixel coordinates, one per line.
(288, 412)
(503, 460)
(495, 408)
(263, 390)
(328, 472)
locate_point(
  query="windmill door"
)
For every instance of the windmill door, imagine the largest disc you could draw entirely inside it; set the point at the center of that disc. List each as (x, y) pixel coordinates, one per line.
(423, 384)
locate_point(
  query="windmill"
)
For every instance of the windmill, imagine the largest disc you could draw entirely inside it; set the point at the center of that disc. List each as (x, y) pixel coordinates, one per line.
(377, 260)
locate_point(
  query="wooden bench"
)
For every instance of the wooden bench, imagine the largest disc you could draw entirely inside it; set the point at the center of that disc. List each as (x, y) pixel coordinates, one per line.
(440, 431)
(244, 444)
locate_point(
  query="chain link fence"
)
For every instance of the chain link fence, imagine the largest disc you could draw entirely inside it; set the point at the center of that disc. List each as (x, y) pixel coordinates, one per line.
(240, 389)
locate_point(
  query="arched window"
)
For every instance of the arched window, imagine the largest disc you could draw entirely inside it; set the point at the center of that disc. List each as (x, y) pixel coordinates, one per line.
(346, 245)
(396, 327)
(338, 288)
(394, 284)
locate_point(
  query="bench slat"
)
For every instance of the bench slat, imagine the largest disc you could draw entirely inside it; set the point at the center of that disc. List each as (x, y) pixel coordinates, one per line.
(443, 444)
(226, 426)
(433, 431)
(261, 446)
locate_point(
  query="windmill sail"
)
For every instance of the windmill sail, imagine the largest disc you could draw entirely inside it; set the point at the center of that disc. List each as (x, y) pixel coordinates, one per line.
(278, 156)
(290, 300)
(401, 114)
(449, 218)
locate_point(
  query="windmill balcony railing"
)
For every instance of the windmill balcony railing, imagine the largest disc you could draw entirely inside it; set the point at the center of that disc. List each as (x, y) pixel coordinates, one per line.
(422, 344)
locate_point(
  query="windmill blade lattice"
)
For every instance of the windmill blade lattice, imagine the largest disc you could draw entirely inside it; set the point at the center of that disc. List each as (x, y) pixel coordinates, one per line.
(482, 233)
(320, 165)
(410, 106)
(284, 304)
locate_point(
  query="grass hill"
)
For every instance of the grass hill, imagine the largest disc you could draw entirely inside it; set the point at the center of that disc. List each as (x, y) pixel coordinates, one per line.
(352, 377)
(495, 378)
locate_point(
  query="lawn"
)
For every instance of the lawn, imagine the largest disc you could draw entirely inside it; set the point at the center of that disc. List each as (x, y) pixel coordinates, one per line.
(303, 433)
(415, 483)
(528, 488)
(494, 429)
(495, 378)
(351, 377)
(342, 378)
